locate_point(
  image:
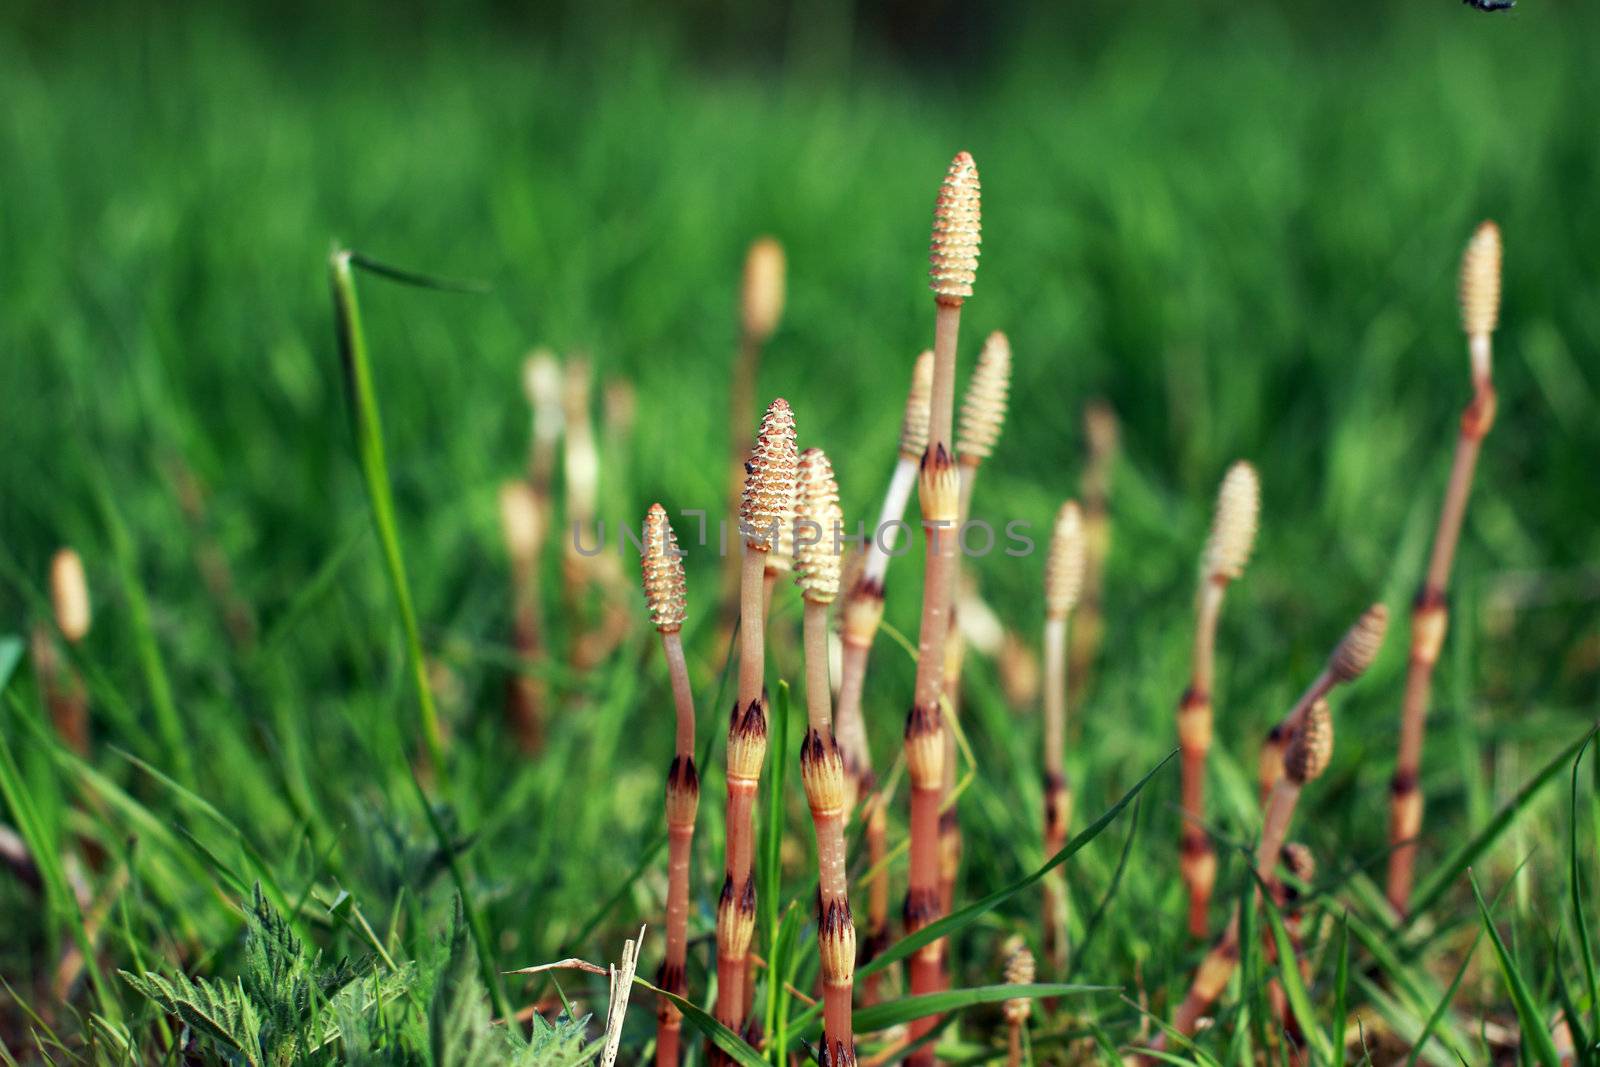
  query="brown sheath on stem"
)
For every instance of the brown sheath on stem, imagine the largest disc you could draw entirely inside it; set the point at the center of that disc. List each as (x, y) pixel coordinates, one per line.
(953, 256)
(661, 564)
(818, 550)
(1480, 311)
(766, 503)
(1233, 531)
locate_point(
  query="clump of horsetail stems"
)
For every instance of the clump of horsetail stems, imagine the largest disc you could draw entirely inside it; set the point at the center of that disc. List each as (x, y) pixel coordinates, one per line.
(1063, 585)
(761, 298)
(64, 690)
(1101, 434)
(522, 523)
(1233, 534)
(664, 588)
(541, 381)
(859, 621)
(983, 415)
(1309, 752)
(1020, 970)
(766, 502)
(1480, 312)
(817, 551)
(1348, 661)
(954, 263)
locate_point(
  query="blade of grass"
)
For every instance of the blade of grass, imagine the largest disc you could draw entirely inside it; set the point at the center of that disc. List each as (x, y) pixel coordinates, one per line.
(1093, 925)
(770, 875)
(1580, 921)
(1457, 862)
(1293, 985)
(895, 1012)
(725, 1039)
(1341, 990)
(169, 724)
(375, 472)
(1536, 1039)
(61, 900)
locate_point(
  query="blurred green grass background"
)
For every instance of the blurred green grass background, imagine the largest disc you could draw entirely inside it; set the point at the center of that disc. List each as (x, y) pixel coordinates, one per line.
(1240, 225)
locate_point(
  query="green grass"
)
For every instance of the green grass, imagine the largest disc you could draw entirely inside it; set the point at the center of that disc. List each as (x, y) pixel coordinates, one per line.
(1239, 225)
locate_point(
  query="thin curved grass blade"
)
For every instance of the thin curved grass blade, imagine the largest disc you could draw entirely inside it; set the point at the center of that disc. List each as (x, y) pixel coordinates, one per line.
(1536, 1039)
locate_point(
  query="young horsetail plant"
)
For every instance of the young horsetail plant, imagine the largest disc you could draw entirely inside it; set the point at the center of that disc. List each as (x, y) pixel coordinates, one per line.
(1101, 433)
(664, 595)
(1307, 757)
(859, 621)
(64, 690)
(954, 259)
(817, 566)
(766, 502)
(983, 415)
(1233, 534)
(1349, 660)
(522, 523)
(1480, 313)
(1020, 970)
(1063, 584)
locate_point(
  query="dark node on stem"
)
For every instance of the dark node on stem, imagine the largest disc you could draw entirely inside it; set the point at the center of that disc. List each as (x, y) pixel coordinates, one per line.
(938, 458)
(833, 916)
(874, 946)
(948, 822)
(747, 898)
(1275, 735)
(1428, 599)
(1403, 783)
(682, 774)
(754, 722)
(727, 891)
(922, 722)
(1194, 697)
(814, 748)
(1195, 842)
(670, 977)
(921, 908)
(834, 1054)
(868, 589)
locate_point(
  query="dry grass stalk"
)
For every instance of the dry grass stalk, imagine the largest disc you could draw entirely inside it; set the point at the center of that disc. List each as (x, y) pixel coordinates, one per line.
(1020, 970)
(65, 693)
(1101, 433)
(1480, 312)
(1063, 585)
(1348, 661)
(817, 564)
(767, 498)
(761, 298)
(954, 261)
(664, 594)
(1307, 757)
(983, 415)
(522, 523)
(859, 621)
(1233, 534)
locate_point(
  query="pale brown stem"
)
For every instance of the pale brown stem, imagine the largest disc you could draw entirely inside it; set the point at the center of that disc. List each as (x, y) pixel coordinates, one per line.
(1057, 793)
(836, 929)
(890, 518)
(849, 725)
(1014, 1046)
(1197, 857)
(877, 893)
(1428, 623)
(926, 969)
(732, 964)
(680, 836)
(682, 693)
(950, 845)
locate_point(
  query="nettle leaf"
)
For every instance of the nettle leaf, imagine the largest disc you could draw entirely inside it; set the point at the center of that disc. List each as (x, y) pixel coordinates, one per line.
(220, 1014)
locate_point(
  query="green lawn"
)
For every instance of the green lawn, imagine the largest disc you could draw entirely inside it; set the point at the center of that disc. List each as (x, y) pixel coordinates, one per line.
(1240, 227)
